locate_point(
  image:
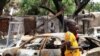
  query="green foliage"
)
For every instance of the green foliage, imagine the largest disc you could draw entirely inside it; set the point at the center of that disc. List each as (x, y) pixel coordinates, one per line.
(96, 7)
(29, 5)
(69, 6)
(93, 7)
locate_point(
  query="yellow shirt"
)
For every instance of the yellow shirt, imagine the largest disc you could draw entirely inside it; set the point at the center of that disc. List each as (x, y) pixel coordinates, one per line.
(70, 37)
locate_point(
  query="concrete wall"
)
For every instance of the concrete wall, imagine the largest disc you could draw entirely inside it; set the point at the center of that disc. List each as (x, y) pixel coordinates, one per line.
(43, 24)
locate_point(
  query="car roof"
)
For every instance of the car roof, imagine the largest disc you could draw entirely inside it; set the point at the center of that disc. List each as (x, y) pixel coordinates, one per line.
(59, 35)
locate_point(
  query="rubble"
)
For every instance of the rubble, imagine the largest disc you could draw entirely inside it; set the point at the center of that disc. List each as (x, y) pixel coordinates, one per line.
(92, 52)
(90, 45)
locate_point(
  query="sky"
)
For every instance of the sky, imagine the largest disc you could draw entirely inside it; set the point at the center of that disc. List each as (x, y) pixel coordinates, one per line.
(96, 0)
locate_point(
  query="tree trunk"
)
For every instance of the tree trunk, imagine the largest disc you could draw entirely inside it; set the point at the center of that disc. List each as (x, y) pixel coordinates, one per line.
(2, 4)
(80, 5)
(59, 7)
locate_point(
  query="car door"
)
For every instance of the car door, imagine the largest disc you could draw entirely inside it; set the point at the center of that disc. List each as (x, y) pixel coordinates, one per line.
(53, 50)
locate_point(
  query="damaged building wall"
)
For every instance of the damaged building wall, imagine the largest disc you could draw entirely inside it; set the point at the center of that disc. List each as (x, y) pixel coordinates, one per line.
(45, 25)
(89, 20)
(34, 24)
(95, 22)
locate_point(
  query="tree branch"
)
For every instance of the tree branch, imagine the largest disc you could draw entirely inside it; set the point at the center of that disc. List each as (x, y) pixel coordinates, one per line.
(47, 9)
(80, 6)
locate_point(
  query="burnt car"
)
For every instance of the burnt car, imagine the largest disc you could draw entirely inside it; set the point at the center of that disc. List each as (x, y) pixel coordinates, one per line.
(38, 45)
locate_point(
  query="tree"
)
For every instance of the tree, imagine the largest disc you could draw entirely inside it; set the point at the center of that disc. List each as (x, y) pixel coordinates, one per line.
(93, 7)
(69, 7)
(2, 4)
(32, 5)
(81, 4)
(29, 7)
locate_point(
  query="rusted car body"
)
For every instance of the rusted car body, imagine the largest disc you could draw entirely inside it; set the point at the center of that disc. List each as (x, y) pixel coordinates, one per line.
(37, 45)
